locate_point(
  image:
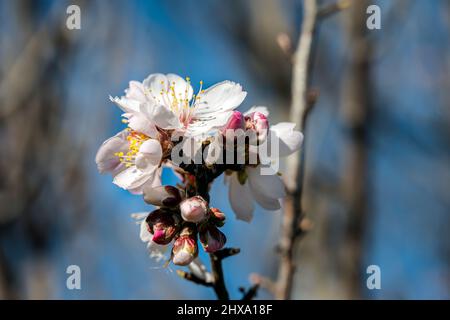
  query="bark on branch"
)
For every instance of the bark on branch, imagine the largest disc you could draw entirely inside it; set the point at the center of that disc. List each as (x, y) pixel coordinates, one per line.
(303, 100)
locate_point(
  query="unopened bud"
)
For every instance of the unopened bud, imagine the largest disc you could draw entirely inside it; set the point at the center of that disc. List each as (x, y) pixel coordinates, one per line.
(235, 122)
(258, 122)
(185, 248)
(162, 225)
(217, 216)
(211, 238)
(162, 196)
(194, 209)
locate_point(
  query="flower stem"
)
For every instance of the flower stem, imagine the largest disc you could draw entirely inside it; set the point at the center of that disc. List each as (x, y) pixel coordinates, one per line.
(219, 279)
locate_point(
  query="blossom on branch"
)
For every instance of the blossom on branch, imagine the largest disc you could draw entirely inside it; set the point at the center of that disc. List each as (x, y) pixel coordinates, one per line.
(200, 137)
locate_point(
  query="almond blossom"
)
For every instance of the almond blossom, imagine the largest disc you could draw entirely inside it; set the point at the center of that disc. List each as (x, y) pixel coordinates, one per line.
(252, 183)
(157, 110)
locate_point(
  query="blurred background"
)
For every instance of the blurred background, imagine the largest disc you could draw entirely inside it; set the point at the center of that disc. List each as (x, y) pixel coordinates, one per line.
(56, 210)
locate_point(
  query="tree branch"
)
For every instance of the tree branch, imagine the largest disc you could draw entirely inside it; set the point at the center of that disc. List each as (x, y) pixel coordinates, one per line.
(217, 271)
(193, 278)
(299, 110)
(303, 100)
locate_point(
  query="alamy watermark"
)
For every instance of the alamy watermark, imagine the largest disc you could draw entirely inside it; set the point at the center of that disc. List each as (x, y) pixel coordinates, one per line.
(73, 21)
(374, 279)
(373, 22)
(73, 281)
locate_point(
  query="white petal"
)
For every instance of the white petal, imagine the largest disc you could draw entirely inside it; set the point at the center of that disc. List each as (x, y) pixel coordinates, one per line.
(136, 91)
(266, 189)
(181, 87)
(156, 83)
(157, 251)
(152, 148)
(144, 234)
(149, 156)
(260, 109)
(132, 178)
(105, 158)
(241, 199)
(160, 116)
(154, 181)
(289, 139)
(210, 122)
(127, 105)
(224, 96)
(142, 124)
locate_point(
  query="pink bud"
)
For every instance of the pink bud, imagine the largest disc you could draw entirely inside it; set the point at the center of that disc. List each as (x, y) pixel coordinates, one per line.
(211, 238)
(258, 122)
(235, 122)
(217, 216)
(194, 209)
(162, 225)
(185, 248)
(162, 196)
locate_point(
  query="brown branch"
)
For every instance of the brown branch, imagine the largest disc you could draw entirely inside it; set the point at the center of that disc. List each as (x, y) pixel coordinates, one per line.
(355, 114)
(299, 110)
(193, 278)
(303, 100)
(332, 8)
(250, 293)
(217, 271)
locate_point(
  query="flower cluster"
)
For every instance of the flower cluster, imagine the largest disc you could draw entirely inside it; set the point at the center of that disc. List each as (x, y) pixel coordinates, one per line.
(200, 136)
(182, 221)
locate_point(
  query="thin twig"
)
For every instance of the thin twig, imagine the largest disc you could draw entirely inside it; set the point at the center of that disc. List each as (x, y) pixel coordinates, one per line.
(193, 278)
(299, 110)
(303, 100)
(332, 8)
(250, 293)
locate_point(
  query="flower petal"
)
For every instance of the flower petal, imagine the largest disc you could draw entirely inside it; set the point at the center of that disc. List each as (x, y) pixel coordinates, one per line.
(127, 105)
(136, 91)
(160, 116)
(205, 124)
(144, 234)
(289, 139)
(266, 189)
(240, 199)
(142, 124)
(149, 156)
(105, 158)
(157, 251)
(181, 87)
(132, 178)
(260, 109)
(153, 181)
(224, 96)
(156, 83)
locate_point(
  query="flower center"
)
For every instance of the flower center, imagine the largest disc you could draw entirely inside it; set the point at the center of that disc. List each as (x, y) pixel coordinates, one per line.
(135, 140)
(178, 100)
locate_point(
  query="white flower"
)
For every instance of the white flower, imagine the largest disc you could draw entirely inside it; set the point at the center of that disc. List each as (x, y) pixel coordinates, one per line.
(266, 188)
(168, 102)
(133, 159)
(161, 107)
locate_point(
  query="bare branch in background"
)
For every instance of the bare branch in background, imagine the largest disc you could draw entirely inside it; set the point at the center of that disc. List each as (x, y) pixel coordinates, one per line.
(303, 99)
(33, 98)
(355, 113)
